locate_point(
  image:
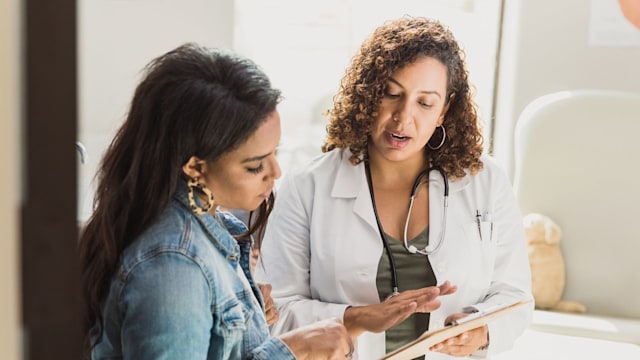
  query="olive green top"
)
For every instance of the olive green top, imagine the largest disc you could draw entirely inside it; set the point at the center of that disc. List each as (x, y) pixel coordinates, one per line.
(414, 272)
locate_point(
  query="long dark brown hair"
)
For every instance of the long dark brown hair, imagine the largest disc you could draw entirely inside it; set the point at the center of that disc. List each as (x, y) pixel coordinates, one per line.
(393, 45)
(192, 101)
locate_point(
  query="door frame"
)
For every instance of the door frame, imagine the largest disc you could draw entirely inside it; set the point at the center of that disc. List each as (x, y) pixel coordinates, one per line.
(51, 300)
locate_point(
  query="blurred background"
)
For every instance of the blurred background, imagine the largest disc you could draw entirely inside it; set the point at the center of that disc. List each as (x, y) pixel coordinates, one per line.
(68, 69)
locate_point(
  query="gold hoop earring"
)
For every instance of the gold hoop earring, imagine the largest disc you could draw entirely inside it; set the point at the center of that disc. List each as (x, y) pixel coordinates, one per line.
(194, 185)
(444, 136)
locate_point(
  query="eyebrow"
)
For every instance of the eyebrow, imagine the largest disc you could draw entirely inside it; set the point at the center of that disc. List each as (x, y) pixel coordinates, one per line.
(255, 158)
(427, 92)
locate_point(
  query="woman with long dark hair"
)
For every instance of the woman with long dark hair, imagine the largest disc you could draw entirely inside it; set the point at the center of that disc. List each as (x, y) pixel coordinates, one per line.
(166, 273)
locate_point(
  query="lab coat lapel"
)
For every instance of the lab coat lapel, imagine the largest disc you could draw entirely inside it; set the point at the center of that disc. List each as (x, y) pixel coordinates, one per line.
(436, 202)
(350, 182)
(363, 207)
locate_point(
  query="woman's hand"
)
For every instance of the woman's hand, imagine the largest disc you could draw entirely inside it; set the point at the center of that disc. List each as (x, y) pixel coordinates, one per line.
(270, 310)
(327, 339)
(380, 317)
(465, 343)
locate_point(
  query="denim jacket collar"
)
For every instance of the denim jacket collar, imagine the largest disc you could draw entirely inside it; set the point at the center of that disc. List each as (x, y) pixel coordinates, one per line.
(218, 227)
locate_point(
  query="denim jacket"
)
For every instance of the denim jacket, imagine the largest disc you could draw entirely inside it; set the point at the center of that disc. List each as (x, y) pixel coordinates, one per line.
(178, 293)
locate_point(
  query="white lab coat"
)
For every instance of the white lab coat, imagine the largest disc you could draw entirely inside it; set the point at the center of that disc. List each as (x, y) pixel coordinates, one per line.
(322, 248)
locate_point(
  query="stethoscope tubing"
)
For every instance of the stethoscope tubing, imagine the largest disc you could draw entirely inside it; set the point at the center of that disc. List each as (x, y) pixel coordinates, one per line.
(412, 249)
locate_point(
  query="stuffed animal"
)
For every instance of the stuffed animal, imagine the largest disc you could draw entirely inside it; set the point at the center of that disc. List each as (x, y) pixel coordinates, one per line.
(547, 264)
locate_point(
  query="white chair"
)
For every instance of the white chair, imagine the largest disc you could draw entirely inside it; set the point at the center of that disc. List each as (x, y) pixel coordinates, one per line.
(577, 160)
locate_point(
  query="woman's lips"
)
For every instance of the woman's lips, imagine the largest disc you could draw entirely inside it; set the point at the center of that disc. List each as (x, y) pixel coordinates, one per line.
(396, 140)
(266, 194)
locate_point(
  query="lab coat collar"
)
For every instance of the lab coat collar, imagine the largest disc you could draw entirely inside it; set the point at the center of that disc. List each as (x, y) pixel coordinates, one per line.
(454, 185)
(350, 179)
(350, 182)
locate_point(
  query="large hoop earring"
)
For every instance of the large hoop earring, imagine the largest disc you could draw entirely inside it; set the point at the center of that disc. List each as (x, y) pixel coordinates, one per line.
(194, 185)
(444, 136)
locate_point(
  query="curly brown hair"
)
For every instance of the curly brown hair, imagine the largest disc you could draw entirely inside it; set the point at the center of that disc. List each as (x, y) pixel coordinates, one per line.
(392, 46)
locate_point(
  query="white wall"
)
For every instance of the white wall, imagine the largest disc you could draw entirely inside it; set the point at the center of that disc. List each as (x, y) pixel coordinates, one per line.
(546, 49)
(10, 114)
(116, 39)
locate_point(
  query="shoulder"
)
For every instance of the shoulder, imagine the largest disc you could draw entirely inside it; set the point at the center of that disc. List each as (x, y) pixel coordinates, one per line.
(492, 179)
(324, 171)
(491, 175)
(169, 230)
(174, 234)
(494, 170)
(491, 166)
(330, 161)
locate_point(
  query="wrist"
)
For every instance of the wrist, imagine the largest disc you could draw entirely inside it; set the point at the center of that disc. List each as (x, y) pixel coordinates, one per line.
(350, 319)
(297, 345)
(486, 345)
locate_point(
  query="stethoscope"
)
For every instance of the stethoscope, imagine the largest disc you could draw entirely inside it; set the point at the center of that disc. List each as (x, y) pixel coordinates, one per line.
(410, 248)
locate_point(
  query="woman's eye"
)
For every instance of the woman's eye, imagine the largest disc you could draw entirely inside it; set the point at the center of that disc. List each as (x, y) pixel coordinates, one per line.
(425, 105)
(256, 170)
(392, 96)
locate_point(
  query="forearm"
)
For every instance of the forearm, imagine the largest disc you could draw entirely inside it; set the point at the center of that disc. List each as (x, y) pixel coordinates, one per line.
(298, 311)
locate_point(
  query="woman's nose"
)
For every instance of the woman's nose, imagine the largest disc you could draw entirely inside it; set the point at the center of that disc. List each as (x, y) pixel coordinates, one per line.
(275, 170)
(402, 113)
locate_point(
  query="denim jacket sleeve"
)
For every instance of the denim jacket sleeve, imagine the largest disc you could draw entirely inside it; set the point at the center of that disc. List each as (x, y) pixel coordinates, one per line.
(274, 348)
(166, 304)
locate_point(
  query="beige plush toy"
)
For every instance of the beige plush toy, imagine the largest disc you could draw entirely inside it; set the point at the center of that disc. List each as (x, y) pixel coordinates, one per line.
(547, 264)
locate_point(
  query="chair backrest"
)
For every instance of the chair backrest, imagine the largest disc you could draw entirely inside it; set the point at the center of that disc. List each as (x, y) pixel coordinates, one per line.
(577, 160)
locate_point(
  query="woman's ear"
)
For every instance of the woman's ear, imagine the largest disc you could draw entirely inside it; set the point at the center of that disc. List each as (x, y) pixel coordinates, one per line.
(194, 167)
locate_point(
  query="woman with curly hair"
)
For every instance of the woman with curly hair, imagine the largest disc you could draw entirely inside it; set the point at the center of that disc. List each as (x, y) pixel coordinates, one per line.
(402, 225)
